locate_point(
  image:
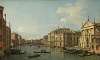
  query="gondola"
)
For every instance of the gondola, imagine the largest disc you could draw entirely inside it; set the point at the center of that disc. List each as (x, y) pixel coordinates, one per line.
(34, 56)
(42, 51)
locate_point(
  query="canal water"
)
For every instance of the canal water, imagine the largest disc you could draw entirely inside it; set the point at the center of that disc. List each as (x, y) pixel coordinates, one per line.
(55, 55)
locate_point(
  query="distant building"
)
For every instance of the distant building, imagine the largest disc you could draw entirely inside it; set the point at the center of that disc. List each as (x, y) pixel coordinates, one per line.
(90, 36)
(37, 42)
(55, 37)
(14, 39)
(44, 41)
(63, 37)
(71, 38)
(22, 41)
(29, 41)
(76, 36)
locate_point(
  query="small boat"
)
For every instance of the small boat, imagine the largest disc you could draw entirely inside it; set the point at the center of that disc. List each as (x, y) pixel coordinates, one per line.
(36, 51)
(84, 54)
(15, 51)
(33, 56)
(98, 54)
(81, 55)
(22, 52)
(88, 54)
(42, 51)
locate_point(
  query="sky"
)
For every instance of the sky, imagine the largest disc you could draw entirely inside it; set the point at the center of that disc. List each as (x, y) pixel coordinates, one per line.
(35, 18)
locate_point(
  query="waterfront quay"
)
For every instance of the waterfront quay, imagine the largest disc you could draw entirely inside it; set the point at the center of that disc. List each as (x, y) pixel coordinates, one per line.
(56, 54)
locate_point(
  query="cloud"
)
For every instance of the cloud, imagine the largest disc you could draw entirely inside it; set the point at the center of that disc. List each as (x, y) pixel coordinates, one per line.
(28, 32)
(63, 20)
(70, 13)
(77, 12)
(28, 28)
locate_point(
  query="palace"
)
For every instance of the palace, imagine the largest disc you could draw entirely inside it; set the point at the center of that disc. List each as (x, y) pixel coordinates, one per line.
(90, 36)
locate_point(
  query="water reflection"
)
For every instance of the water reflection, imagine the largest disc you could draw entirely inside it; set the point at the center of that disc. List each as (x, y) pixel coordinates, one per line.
(57, 54)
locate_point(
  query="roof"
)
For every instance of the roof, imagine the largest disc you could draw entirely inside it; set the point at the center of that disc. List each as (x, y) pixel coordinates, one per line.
(61, 29)
(97, 24)
(87, 22)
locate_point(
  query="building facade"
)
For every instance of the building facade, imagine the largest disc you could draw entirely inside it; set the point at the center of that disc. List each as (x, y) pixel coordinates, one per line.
(14, 39)
(36, 42)
(90, 36)
(56, 37)
(8, 38)
(72, 38)
(44, 41)
(63, 37)
(5, 32)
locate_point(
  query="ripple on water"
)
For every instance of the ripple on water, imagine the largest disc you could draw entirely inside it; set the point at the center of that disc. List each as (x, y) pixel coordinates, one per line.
(55, 55)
